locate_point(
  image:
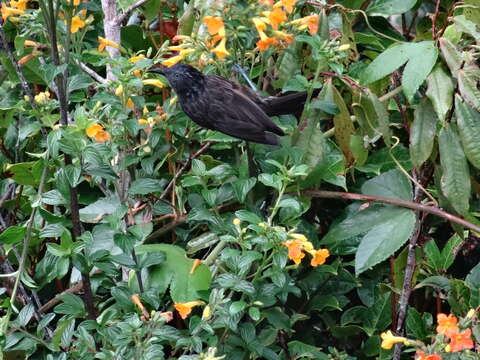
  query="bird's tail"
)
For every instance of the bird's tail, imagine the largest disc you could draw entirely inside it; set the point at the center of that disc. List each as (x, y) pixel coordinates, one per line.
(286, 104)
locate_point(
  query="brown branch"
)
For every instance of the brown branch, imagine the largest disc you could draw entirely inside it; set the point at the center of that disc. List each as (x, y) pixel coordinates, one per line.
(346, 79)
(402, 203)
(183, 169)
(120, 19)
(434, 20)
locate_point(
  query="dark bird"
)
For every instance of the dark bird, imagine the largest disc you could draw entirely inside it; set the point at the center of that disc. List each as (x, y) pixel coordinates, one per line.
(216, 103)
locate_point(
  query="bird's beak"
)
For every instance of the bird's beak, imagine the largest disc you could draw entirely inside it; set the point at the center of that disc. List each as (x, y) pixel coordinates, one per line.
(157, 71)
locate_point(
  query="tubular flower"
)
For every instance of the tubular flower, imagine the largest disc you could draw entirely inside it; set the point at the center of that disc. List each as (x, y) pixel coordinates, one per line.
(276, 17)
(266, 42)
(184, 309)
(288, 5)
(447, 325)
(461, 341)
(221, 50)
(130, 103)
(299, 237)
(30, 43)
(8, 11)
(98, 132)
(102, 136)
(20, 4)
(153, 82)
(319, 256)
(134, 59)
(344, 47)
(214, 25)
(77, 24)
(195, 265)
(295, 252)
(388, 339)
(287, 38)
(172, 60)
(207, 312)
(103, 43)
(143, 122)
(260, 25)
(420, 355)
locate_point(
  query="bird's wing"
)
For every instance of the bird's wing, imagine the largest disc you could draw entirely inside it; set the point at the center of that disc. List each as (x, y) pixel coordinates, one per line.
(236, 114)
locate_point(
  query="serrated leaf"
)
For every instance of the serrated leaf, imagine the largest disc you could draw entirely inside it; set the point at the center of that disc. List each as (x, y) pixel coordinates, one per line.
(455, 181)
(391, 184)
(343, 125)
(439, 91)
(146, 186)
(452, 56)
(422, 133)
(467, 85)
(468, 120)
(13, 234)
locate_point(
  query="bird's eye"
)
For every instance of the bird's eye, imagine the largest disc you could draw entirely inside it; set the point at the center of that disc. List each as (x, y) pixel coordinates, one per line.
(176, 76)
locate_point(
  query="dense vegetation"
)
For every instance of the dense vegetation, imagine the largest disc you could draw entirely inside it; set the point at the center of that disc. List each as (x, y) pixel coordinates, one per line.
(128, 232)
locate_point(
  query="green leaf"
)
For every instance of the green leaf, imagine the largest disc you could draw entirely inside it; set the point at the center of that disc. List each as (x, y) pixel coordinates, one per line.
(79, 81)
(146, 186)
(391, 184)
(455, 181)
(311, 141)
(382, 240)
(422, 133)
(174, 273)
(248, 216)
(343, 124)
(72, 305)
(420, 58)
(242, 187)
(389, 7)
(13, 234)
(26, 173)
(440, 90)
(271, 180)
(26, 314)
(467, 26)
(416, 325)
(467, 85)
(468, 120)
(103, 206)
(300, 350)
(452, 56)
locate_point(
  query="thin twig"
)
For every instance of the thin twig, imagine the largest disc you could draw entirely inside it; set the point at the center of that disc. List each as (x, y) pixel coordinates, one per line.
(126, 14)
(183, 169)
(402, 203)
(92, 73)
(434, 20)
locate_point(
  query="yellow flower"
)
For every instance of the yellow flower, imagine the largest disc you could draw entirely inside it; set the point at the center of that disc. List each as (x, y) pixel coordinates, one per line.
(77, 24)
(20, 4)
(42, 97)
(134, 59)
(130, 103)
(153, 82)
(119, 90)
(262, 224)
(185, 52)
(259, 24)
(299, 237)
(103, 43)
(145, 110)
(344, 47)
(173, 100)
(207, 312)
(388, 339)
(102, 136)
(319, 256)
(184, 309)
(470, 313)
(8, 11)
(172, 60)
(30, 43)
(214, 25)
(236, 221)
(176, 47)
(143, 122)
(276, 17)
(220, 50)
(288, 5)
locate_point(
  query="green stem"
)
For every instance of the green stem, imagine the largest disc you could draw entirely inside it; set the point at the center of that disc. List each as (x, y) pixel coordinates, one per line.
(277, 203)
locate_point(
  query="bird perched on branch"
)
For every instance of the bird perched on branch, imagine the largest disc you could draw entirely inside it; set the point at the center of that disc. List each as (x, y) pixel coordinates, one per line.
(216, 103)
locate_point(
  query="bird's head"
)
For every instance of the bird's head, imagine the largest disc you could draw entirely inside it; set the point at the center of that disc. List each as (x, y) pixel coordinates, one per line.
(181, 76)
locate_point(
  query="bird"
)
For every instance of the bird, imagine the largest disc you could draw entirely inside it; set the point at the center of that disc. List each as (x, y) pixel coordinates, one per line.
(229, 107)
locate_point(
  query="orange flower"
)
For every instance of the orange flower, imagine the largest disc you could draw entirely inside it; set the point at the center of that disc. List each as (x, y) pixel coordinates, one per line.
(388, 339)
(214, 25)
(184, 309)
(288, 5)
(20, 4)
(420, 355)
(77, 24)
(259, 24)
(447, 325)
(102, 136)
(130, 103)
(287, 38)
(319, 256)
(172, 60)
(312, 23)
(8, 11)
(221, 50)
(295, 250)
(103, 43)
(461, 341)
(276, 17)
(266, 42)
(92, 130)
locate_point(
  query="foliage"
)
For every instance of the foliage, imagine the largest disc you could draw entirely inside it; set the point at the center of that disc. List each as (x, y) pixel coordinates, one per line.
(128, 232)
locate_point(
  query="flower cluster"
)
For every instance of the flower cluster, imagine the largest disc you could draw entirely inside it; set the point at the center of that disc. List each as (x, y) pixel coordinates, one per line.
(447, 329)
(297, 247)
(15, 8)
